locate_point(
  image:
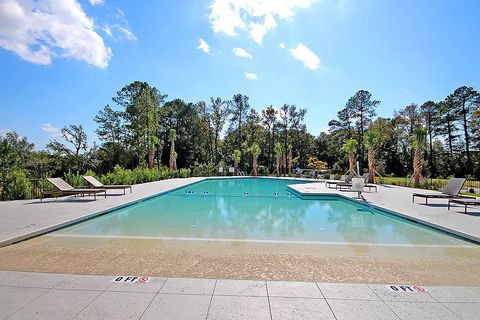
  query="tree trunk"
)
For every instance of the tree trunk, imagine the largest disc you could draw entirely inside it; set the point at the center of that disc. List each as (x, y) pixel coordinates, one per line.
(351, 162)
(255, 166)
(467, 138)
(290, 160)
(417, 166)
(173, 160)
(278, 165)
(371, 165)
(151, 156)
(430, 142)
(159, 154)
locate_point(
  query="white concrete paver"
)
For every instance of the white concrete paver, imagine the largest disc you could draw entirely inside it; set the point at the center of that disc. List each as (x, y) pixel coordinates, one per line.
(358, 309)
(196, 299)
(38, 280)
(56, 305)
(293, 289)
(241, 288)
(454, 294)
(239, 308)
(466, 311)
(13, 299)
(347, 291)
(299, 308)
(175, 306)
(421, 310)
(188, 286)
(85, 282)
(117, 305)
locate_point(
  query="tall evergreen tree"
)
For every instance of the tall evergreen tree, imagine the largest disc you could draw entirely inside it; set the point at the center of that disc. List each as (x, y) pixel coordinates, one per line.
(429, 112)
(362, 109)
(464, 101)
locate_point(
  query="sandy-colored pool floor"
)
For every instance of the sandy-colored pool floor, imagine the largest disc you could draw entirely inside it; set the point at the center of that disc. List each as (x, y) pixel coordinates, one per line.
(443, 266)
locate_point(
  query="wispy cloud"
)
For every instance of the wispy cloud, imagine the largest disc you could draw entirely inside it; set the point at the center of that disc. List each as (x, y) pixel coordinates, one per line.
(203, 46)
(51, 130)
(302, 53)
(39, 31)
(96, 2)
(239, 52)
(282, 45)
(255, 16)
(118, 31)
(250, 76)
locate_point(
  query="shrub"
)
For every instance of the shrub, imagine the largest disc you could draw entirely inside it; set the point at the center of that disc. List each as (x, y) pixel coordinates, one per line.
(18, 186)
(184, 173)
(74, 179)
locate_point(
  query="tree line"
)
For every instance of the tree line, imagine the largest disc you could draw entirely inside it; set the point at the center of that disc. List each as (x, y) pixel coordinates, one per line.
(142, 128)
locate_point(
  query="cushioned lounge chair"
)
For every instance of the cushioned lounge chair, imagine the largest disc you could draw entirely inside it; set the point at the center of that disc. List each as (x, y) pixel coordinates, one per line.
(464, 202)
(64, 189)
(348, 179)
(348, 185)
(451, 190)
(97, 184)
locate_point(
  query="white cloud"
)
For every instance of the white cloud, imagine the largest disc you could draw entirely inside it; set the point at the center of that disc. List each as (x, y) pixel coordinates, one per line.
(325, 129)
(122, 30)
(302, 53)
(38, 31)
(96, 2)
(4, 131)
(250, 76)
(239, 52)
(256, 16)
(54, 132)
(282, 45)
(203, 46)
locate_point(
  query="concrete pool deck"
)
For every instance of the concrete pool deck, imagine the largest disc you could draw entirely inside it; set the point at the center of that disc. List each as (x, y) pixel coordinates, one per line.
(49, 296)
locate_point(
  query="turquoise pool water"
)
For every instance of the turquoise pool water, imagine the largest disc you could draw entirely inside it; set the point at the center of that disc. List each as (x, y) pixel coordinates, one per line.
(258, 210)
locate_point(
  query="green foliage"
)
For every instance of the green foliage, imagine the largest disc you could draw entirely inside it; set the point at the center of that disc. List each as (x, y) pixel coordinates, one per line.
(203, 169)
(237, 154)
(74, 179)
(254, 150)
(419, 137)
(18, 186)
(184, 173)
(350, 146)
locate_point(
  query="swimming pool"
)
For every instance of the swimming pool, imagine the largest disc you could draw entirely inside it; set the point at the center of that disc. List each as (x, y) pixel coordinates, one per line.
(258, 210)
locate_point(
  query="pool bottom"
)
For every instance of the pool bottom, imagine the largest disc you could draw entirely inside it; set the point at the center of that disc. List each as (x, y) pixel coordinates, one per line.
(234, 260)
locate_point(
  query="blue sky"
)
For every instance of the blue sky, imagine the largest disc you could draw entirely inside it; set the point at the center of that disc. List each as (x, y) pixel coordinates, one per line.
(61, 61)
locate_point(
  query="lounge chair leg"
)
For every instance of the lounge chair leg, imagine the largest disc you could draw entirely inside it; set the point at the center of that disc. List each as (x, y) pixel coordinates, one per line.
(465, 208)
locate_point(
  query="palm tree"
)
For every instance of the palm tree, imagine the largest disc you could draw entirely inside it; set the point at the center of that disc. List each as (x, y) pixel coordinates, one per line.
(172, 136)
(419, 141)
(255, 151)
(278, 156)
(372, 141)
(236, 156)
(290, 159)
(350, 148)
